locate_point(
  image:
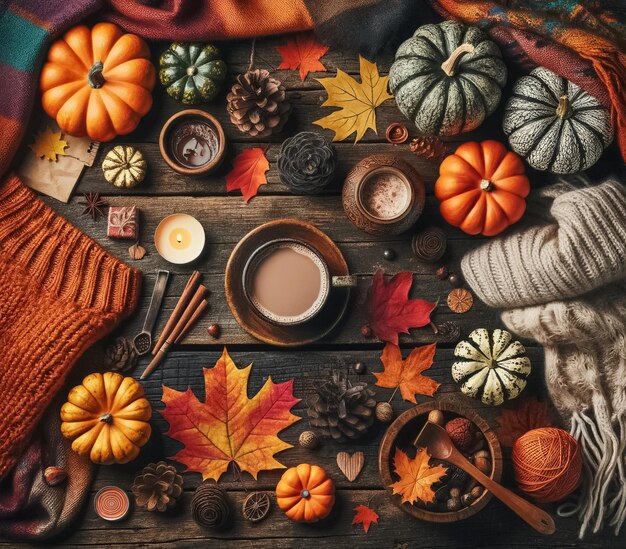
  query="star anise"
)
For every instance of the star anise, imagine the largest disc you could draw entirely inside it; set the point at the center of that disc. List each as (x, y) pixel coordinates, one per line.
(94, 205)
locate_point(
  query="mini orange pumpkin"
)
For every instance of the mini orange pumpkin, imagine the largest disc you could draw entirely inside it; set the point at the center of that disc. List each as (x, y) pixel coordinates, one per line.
(97, 82)
(306, 493)
(106, 417)
(482, 188)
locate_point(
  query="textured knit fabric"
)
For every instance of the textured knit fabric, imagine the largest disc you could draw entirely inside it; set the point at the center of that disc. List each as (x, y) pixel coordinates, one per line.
(584, 41)
(583, 249)
(59, 293)
(563, 284)
(30, 509)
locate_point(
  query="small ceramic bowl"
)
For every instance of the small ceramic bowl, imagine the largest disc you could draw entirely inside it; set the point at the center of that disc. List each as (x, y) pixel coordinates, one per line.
(192, 142)
(383, 195)
(401, 434)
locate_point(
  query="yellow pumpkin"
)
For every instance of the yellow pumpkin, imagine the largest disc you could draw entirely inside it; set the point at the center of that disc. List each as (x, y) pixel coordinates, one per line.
(305, 493)
(107, 417)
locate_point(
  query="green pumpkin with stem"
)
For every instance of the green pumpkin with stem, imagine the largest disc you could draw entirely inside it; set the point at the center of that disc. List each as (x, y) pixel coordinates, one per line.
(192, 73)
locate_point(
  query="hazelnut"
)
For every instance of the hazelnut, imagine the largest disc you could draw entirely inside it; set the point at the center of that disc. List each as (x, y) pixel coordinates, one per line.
(467, 499)
(214, 330)
(477, 491)
(455, 493)
(453, 504)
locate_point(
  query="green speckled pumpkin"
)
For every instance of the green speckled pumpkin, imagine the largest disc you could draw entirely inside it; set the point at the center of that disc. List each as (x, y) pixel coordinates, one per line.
(554, 124)
(192, 72)
(447, 78)
(492, 367)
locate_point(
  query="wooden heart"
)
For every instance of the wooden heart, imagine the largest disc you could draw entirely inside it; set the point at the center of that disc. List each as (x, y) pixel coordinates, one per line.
(350, 464)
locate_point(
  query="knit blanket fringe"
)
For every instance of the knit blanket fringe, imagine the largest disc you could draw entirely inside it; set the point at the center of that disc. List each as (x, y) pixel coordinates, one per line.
(602, 439)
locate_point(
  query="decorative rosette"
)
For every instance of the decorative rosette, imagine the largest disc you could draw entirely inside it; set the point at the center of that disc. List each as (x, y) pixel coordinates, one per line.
(307, 163)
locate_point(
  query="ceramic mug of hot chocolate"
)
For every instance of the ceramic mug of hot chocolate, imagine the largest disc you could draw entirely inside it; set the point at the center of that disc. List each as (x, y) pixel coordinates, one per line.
(288, 282)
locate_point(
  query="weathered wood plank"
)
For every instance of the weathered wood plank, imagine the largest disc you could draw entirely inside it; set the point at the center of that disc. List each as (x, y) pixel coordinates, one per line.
(162, 180)
(185, 369)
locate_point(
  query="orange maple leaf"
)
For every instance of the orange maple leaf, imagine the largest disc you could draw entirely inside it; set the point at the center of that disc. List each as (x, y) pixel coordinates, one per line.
(248, 173)
(229, 426)
(304, 51)
(529, 414)
(416, 476)
(407, 375)
(365, 516)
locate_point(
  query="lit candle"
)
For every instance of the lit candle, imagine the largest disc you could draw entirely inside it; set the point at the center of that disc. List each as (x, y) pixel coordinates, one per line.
(179, 238)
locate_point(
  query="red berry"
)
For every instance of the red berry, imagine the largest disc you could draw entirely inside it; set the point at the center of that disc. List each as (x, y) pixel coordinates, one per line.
(442, 272)
(366, 331)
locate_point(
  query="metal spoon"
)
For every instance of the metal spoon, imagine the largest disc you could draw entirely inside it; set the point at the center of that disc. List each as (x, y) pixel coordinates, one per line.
(143, 340)
(436, 440)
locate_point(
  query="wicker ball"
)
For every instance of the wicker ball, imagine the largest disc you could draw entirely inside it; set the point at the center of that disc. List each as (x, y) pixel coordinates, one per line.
(384, 412)
(307, 163)
(210, 506)
(309, 440)
(547, 464)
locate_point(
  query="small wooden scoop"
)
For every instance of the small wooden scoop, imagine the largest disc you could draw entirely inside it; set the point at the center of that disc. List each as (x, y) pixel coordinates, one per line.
(439, 446)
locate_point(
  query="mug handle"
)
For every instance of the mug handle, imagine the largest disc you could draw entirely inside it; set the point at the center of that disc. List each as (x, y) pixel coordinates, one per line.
(348, 281)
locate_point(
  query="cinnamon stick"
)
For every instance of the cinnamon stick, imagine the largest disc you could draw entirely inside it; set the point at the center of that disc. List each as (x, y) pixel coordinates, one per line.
(183, 301)
(196, 315)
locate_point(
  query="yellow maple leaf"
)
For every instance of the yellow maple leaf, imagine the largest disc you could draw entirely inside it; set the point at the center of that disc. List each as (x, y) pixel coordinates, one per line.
(358, 101)
(228, 426)
(416, 476)
(48, 144)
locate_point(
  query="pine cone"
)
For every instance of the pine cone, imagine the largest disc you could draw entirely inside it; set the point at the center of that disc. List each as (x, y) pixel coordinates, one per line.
(121, 354)
(257, 104)
(429, 147)
(157, 486)
(307, 163)
(340, 409)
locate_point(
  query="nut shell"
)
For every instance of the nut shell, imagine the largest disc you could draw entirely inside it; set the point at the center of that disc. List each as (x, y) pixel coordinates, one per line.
(384, 412)
(54, 475)
(309, 440)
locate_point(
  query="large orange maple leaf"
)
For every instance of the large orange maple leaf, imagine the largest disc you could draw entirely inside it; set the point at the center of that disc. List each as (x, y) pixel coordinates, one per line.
(229, 426)
(416, 476)
(407, 374)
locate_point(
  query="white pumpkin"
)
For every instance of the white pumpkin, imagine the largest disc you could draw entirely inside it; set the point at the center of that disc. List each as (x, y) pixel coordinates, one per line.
(554, 124)
(494, 369)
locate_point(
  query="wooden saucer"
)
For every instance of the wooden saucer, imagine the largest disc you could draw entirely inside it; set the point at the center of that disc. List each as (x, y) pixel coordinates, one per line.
(245, 314)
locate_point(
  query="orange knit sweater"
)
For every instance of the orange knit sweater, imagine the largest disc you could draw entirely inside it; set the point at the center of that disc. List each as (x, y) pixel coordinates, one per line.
(61, 292)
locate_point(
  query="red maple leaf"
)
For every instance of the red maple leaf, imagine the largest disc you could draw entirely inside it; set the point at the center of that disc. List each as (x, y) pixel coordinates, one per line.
(248, 172)
(365, 516)
(304, 51)
(389, 309)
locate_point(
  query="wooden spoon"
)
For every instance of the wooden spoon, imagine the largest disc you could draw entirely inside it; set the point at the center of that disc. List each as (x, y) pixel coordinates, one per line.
(436, 440)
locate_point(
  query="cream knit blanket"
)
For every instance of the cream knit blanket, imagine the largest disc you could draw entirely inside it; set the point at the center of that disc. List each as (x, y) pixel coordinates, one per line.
(563, 283)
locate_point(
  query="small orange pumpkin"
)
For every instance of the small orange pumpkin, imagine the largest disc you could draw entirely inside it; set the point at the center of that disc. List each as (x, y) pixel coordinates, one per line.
(305, 493)
(482, 188)
(106, 417)
(97, 82)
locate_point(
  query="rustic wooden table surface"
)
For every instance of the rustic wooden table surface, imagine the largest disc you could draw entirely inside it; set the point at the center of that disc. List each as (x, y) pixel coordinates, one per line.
(226, 219)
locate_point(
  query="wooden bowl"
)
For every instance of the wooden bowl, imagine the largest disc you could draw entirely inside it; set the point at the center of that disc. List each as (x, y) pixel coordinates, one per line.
(402, 433)
(189, 116)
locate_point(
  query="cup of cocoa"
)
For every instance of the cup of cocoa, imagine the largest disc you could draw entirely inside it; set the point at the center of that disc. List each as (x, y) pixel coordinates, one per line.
(287, 282)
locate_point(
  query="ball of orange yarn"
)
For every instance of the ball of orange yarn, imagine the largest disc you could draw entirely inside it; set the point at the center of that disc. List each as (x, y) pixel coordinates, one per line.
(547, 464)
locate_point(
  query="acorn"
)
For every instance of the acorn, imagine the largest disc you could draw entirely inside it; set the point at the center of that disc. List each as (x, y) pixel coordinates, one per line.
(384, 412)
(309, 440)
(54, 475)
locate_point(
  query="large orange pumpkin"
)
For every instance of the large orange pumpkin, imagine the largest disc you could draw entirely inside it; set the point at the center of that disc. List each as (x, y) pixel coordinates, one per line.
(482, 188)
(305, 493)
(97, 82)
(106, 417)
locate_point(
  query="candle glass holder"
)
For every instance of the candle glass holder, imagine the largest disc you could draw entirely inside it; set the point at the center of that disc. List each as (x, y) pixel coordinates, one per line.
(192, 142)
(383, 195)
